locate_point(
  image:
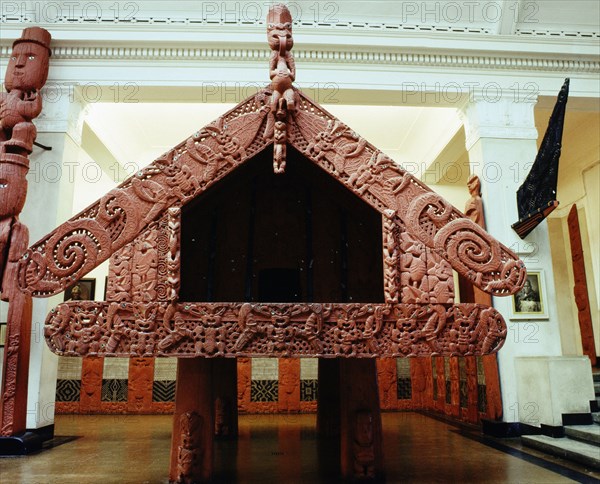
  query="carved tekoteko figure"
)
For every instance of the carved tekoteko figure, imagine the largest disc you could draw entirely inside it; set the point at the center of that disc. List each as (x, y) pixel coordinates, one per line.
(282, 71)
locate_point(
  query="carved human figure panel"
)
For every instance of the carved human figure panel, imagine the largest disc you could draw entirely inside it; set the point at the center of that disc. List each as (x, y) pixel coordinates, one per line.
(285, 330)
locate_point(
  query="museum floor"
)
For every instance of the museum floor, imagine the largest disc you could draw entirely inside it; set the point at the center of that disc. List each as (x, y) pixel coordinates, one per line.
(280, 449)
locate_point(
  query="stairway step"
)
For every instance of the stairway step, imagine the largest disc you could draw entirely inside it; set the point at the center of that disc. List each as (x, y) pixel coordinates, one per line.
(586, 454)
(584, 433)
(596, 417)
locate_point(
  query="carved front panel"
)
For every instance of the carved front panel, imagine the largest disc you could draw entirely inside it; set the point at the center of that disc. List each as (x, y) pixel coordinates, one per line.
(235, 329)
(413, 273)
(147, 269)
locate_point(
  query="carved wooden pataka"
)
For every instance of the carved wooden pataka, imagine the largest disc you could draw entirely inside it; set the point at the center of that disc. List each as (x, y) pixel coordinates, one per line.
(137, 225)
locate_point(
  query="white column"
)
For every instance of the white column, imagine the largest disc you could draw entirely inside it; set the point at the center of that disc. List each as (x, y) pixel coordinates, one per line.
(49, 203)
(501, 141)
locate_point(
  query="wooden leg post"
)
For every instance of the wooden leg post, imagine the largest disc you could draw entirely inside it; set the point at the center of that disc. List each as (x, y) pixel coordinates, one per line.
(361, 433)
(193, 422)
(15, 370)
(224, 374)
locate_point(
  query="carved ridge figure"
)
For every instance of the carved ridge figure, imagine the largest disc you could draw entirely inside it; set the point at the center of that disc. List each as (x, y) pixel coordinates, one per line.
(282, 72)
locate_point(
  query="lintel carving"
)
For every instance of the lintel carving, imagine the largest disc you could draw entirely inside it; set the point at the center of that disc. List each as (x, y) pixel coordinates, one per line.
(286, 330)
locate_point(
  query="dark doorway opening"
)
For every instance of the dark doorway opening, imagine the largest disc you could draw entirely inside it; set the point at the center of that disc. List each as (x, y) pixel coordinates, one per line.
(279, 285)
(260, 237)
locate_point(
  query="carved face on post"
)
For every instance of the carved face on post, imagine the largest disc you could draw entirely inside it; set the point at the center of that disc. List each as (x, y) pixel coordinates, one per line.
(13, 189)
(279, 26)
(27, 68)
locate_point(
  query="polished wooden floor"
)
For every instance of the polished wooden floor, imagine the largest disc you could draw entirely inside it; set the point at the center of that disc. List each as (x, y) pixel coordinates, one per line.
(277, 449)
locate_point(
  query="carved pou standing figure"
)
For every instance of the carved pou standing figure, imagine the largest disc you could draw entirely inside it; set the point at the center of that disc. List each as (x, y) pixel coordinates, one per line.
(282, 71)
(26, 73)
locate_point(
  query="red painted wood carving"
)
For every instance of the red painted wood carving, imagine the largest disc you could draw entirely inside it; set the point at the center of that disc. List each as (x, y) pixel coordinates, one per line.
(26, 74)
(236, 329)
(282, 71)
(580, 289)
(138, 226)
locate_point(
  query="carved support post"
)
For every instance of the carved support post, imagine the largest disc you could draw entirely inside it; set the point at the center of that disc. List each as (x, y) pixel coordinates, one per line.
(387, 376)
(244, 383)
(455, 387)
(492, 387)
(440, 403)
(361, 452)
(193, 422)
(140, 382)
(92, 369)
(289, 385)
(15, 371)
(422, 381)
(471, 370)
(225, 388)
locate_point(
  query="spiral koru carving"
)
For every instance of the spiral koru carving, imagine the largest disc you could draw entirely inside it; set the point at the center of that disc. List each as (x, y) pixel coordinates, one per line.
(68, 254)
(468, 246)
(470, 250)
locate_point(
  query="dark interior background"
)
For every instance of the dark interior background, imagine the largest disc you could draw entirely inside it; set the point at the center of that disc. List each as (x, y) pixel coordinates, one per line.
(301, 236)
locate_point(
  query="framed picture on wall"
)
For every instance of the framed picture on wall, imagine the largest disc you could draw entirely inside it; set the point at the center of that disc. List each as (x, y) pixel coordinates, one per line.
(82, 290)
(530, 301)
